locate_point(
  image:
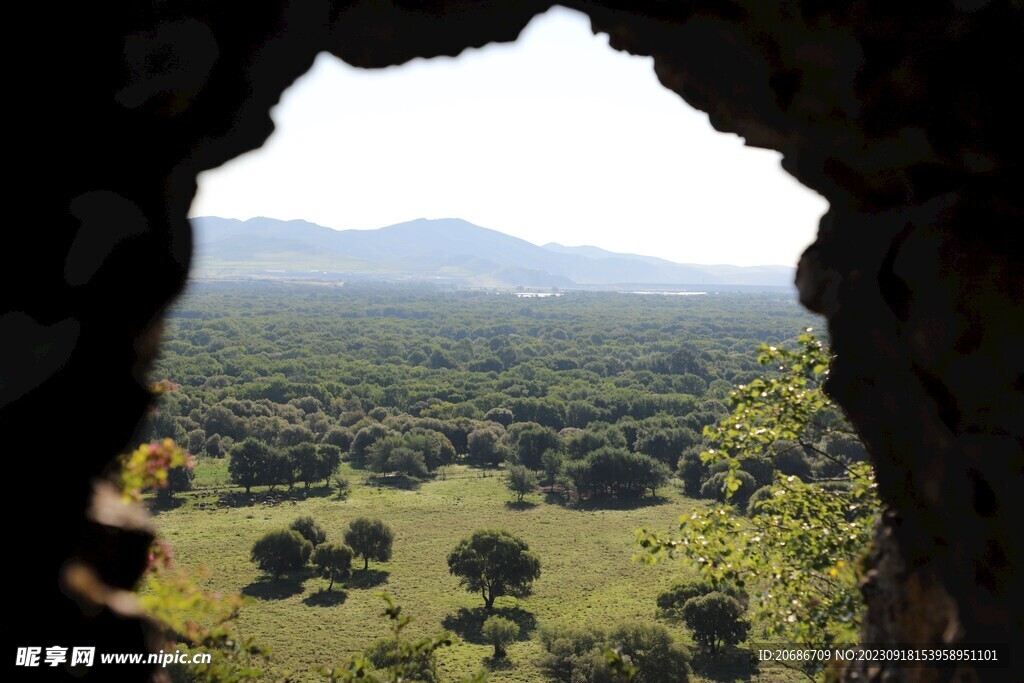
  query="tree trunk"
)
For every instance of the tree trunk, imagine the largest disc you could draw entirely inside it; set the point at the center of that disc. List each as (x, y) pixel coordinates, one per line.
(331, 585)
(366, 562)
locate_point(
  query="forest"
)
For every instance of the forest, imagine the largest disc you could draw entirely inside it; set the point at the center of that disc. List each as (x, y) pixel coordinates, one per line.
(320, 429)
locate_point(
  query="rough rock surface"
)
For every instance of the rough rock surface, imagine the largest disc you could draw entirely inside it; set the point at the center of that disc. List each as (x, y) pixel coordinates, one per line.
(898, 113)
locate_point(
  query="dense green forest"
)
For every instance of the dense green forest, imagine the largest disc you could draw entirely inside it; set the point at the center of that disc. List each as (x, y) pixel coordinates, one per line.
(295, 364)
(344, 401)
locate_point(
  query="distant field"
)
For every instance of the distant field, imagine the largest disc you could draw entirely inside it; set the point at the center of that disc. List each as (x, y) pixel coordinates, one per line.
(290, 364)
(587, 573)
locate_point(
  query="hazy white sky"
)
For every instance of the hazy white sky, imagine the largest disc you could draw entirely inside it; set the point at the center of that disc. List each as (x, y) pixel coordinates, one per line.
(553, 138)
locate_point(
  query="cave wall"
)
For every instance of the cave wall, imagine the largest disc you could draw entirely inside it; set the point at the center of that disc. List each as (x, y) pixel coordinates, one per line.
(898, 114)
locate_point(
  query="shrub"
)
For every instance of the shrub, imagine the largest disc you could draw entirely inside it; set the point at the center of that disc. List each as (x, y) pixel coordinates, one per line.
(670, 602)
(572, 654)
(500, 633)
(652, 650)
(790, 459)
(214, 446)
(417, 666)
(195, 441)
(715, 619)
(761, 469)
(692, 470)
(310, 530)
(576, 655)
(281, 551)
(714, 488)
(178, 479)
(763, 493)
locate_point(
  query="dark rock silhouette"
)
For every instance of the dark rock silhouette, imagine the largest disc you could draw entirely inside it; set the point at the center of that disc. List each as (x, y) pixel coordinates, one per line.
(899, 114)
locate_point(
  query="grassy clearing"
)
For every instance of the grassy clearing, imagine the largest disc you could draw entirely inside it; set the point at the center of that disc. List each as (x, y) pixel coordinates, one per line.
(211, 472)
(587, 574)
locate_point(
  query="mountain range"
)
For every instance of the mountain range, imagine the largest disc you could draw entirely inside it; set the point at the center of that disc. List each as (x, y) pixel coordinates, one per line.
(447, 250)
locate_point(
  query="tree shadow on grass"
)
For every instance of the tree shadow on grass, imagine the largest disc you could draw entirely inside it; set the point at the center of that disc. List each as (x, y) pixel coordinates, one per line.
(519, 505)
(238, 499)
(468, 623)
(499, 664)
(557, 498)
(393, 481)
(608, 503)
(727, 665)
(367, 579)
(158, 503)
(326, 598)
(267, 588)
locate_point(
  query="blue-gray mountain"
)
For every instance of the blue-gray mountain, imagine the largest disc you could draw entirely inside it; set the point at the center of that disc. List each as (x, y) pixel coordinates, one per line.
(446, 250)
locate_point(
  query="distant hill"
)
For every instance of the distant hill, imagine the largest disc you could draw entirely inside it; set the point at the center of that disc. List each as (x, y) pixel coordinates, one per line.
(443, 250)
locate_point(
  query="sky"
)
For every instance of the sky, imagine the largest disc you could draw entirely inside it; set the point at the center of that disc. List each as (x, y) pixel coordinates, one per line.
(554, 138)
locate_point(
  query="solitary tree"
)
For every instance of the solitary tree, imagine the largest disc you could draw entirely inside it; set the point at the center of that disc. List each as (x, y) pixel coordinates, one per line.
(500, 632)
(281, 551)
(521, 480)
(333, 562)
(370, 539)
(715, 619)
(493, 563)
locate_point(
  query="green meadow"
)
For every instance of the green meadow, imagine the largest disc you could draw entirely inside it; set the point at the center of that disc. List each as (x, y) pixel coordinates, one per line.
(588, 574)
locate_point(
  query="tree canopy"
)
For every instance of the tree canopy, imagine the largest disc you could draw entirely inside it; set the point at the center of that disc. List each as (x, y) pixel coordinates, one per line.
(281, 551)
(370, 539)
(803, 538)
(493, 563)
(333, 562)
